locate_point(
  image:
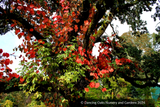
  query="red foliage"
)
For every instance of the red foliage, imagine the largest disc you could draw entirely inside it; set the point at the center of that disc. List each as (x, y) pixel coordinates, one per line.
(104, 89)
(17, 31)
(97, 85)
(2, 69)
(37, 71)
(86, 89)
(21, 80)
(103, 71)
(78, 60)
(6, 54)
(1, 51)
(122, 61)
(13, 75)
(8, 79)
(7, 62)
(31, 30)
(1, 74)
(40, 41)
(92, 84)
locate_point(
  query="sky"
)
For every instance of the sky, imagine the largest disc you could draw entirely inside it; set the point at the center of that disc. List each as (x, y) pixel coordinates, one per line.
(9, 41)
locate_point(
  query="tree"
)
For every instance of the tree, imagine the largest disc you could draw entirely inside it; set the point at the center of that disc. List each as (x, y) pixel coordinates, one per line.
(62, 44)
(142, 43)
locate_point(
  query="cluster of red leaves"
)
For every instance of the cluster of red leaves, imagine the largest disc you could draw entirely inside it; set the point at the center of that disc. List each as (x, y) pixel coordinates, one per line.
(6, 54)
(7, 62)
(122, 61)
(101, 65)
(94, 85)
(31, 53)
(103, 68)
(7, 69)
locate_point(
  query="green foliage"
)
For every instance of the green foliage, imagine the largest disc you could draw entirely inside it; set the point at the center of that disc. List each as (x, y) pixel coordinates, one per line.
(116, 86)
(152, 63)
(157, 38)
(34, 104)
(13, 82)
(9, 97)
(62, 65)
(8, 103)
(131, 50)
(157, 103)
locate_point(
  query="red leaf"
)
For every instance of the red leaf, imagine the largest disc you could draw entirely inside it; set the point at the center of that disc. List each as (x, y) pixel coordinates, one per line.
(76, 28)
(32, 55)
(22, 33)
(40, 41)
(45, 20)
(104, 89)
(92, 84)
(12, 25)
(31, 6)
(80, 50)
(37, 71)
(95, 75)
(2, 69)
(73, 14)
(31, 30)
(17, 31)
(79, 61)
(9, 78)
(20, 56)
(118, 62)
(1, 50)
(11, 62)
(86, 89)
(97, 85)
(21, 80)
(86, 22)
(19, 7)
(64, 49)
(43, 13)
(31, 11)
(7, 62)
(104, 71)
(70, 29)
(25, 50)
(38, 12)
(91, 74)
(7, 54)
(111, 70)
(15, 75)
(1, 74)
(128, 61)
(77, 20)
(28, 38)
(4, 54)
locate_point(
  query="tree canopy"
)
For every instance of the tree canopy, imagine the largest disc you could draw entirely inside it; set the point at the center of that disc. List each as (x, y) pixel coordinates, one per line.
(59, 37)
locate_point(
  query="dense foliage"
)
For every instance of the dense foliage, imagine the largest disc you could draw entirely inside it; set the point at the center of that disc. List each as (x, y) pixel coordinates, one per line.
(59, 37)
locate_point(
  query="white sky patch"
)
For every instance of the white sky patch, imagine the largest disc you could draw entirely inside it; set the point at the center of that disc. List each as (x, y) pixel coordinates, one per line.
(8, 42)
